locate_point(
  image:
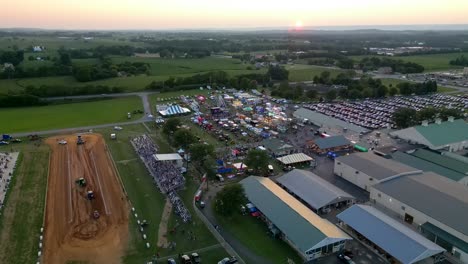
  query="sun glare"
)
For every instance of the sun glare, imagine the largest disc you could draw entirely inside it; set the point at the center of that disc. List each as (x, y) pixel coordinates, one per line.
(298, 23)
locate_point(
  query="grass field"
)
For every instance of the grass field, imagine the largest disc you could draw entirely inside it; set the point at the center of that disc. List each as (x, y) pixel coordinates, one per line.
(22, 216)
(149, 203)
(253, 233)
(302, 72)
(432, 62)
(68, 115)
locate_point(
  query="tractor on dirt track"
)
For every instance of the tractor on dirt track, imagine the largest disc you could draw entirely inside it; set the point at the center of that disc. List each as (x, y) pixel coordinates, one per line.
(81, 182)
(80, 140)
(90, 195)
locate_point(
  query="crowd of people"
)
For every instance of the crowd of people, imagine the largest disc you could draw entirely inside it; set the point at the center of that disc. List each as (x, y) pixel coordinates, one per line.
(377, 113)
(6, 172)
(166, 175)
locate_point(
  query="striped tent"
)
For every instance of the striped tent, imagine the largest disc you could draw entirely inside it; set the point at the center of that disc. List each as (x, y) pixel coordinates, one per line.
(174, 110)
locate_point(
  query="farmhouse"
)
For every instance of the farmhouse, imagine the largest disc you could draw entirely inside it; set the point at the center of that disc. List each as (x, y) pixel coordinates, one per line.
(315, 192)
(366, 169)
(451, 135)
(309, 234)
(436, 205)
(388, 234)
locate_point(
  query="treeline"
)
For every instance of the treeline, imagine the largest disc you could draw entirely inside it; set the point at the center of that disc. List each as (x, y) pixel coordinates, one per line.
(106, 69)
(20, 100)
(13, 57)
(221, 78)
(407, 88)
(59, 90)
(460, 61)
(373, 63)
(406, 117)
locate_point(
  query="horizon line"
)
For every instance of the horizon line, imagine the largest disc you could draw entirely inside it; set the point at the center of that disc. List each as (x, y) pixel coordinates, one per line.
(392, 27)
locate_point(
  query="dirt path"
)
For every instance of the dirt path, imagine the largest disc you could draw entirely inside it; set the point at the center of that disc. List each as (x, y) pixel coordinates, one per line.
(162, 232)
(71, 232)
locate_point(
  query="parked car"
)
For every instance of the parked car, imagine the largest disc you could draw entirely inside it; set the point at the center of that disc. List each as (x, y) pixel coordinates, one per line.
(3, 143)
(171, 261)
(345, 259)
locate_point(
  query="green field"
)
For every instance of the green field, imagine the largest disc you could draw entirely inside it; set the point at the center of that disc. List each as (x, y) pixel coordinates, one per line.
(432, 62)
(253, 233)
(38, 118)
(22, 216)
(302, 72)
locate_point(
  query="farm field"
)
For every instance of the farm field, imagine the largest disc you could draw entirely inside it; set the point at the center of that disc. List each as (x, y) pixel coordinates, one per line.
(38, 118)
(302, 72)
(73, 231)
(22, 216)
(431, 62)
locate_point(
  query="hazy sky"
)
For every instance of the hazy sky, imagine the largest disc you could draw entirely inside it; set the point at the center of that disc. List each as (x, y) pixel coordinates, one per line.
(173, 14)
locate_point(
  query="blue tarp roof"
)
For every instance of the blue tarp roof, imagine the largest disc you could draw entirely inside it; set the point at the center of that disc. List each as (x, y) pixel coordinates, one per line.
(398, 240)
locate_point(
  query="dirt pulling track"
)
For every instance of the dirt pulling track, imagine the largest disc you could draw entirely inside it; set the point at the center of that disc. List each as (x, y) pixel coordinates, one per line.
(71, 232)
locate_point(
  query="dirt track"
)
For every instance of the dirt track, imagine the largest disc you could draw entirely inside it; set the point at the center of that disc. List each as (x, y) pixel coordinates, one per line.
(71, 233)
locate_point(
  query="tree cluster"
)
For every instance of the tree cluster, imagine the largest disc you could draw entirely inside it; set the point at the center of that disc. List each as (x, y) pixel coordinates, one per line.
(108, 70)
(278, 73)
(373, 63)
(460, 61)
(59, 90)
(13, 57)
(258, 161)
(20, 100)
(229, 199)
(407, 88)
(406, 117)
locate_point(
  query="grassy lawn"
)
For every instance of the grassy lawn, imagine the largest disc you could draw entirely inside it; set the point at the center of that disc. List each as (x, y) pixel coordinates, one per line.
(22, 216)
(253, 233)
(68, 115)
(431, 62)
(301, 72)
(149, 203)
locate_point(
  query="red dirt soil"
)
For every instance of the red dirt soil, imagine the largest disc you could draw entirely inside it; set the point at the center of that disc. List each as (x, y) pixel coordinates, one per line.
(71, 232)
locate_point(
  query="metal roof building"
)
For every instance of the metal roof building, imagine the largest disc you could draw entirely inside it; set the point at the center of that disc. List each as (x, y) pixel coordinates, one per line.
(365, 169)
(322, 120)
(332, 142)
(429, 199)
(426, 165)
(313, 190)
(294, 158)
(442, 160)
(451, 135)
(398, 240)
(305, 231)
(278, 147)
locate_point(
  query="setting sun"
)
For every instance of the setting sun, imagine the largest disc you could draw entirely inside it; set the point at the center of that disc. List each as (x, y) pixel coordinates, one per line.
(298, 23)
